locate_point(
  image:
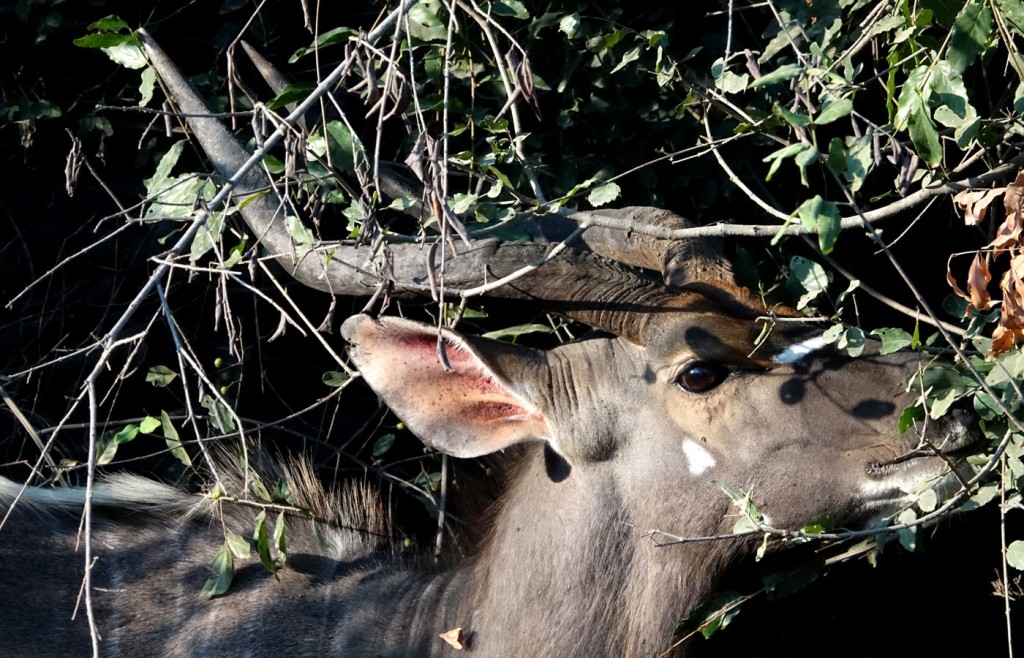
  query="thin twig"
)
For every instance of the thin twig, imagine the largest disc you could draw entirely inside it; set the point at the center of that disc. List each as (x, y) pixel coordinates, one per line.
(1003, 548)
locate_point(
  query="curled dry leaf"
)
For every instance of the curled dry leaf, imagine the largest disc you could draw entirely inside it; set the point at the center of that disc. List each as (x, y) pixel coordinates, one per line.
(975, 203)
(1009, 238)
(978, 279)
(1012, 285)
(1014, 195)
(454, 638)
(1009, 233)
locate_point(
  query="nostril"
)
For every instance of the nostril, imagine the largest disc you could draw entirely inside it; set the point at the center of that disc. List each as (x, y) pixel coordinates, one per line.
(963, 413)
(963, 416)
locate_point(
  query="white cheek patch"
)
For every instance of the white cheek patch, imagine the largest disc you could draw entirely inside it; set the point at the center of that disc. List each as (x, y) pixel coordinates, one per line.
(801, 350)
(698, 456)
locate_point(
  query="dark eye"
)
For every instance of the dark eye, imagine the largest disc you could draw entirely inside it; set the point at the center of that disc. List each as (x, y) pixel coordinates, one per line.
(701, 377)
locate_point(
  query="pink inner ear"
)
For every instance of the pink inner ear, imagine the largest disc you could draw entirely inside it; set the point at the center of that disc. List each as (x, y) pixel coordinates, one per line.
(465, 412)
(469, 387)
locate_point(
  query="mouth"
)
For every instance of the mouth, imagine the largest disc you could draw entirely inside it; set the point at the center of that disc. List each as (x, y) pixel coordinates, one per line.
(960, 437)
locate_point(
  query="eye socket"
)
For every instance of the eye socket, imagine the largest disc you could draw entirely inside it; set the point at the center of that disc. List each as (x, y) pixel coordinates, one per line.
(701, 377)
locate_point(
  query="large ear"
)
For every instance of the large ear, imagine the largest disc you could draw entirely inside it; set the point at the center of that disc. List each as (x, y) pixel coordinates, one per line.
(487, 402)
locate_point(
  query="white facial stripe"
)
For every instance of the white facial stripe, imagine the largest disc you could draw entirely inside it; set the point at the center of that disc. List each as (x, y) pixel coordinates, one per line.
(798, 351)
(698, 456)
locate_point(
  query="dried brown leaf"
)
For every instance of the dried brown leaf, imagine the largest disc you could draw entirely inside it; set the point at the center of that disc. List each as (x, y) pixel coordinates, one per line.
(454, 638)
(1003, 340)
(1008, 234)
(975, 203)
(1012, 285)
(978, 278)
(1014, 195)
(1010, 329)
(951, 280)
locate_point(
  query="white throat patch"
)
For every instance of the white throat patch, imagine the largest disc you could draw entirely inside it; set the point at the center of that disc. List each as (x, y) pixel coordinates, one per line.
(800, 350)
(698, 456)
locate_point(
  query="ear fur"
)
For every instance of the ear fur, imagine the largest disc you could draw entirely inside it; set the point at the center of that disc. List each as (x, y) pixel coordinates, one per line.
(466, 412)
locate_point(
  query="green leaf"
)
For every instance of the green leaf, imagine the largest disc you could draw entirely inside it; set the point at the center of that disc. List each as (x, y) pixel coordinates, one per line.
(781, 74)
(148, 425)
(836, 159)
(343, 145)
(726, 80)
(833, 333)
(777, 157)
(911, 414)
(630, 56)
(1015, 555)
(279, 538)
(928, 500)
(1009, 366)
(512, 333)
(172, 440)
(223, 568)
(986, 406)
(749, 518)
(301, 236)
(1012, 11)
(174, 196)
(907, 536)
(207, 236)
(971, 33)
(106, 448)
(792, 118)
(162, 176)
(103, 40)
(127, 434)
(570, 25)
(160, 376)
(282, 494)
(810, 276)
(110, 23)
(513, 8)
(262, 542)
(128, 54)
(924, 136)
(260, 490)
(711, 616)
(383, 444)
(494, 125)
(239, 545)
(424, 23)
(821, 216)
(337, 35)
(985, 494)
(603, 194)
(146, 86)
(859, 160)
(887, 24)
(763, 548)
(834, 111)
(945, 385)
(852, 341)
(461, 203)
(292, 93)
(910, 97)
(893, 339)
(956, 306)
(220, 416)
(335, 378)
